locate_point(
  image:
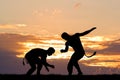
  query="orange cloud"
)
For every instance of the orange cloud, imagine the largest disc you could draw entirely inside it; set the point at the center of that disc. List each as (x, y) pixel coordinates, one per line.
(106, 44)
(56, 12)
(10, 42)
(11, 26)
(7, 26)
(22, 43)
(77, 5)
(47, 12)
(21, 25)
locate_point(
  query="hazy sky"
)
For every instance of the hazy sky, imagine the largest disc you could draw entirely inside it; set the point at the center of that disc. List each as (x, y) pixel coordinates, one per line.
(56, 16)
(26, 24)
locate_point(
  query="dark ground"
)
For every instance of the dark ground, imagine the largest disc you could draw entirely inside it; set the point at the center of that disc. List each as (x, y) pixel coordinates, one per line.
(59, 77)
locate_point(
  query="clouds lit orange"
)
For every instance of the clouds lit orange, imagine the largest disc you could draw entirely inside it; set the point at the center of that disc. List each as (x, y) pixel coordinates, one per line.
(28, 24)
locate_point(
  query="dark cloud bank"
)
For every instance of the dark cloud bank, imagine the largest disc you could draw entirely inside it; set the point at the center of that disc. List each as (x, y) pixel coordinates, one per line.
(10, 64)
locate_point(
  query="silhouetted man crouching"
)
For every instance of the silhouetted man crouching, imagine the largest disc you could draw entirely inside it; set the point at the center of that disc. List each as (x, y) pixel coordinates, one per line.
(36, 58)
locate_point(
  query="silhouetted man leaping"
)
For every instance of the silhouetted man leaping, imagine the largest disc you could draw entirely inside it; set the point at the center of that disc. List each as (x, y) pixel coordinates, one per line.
(75, 42)
(37, 58)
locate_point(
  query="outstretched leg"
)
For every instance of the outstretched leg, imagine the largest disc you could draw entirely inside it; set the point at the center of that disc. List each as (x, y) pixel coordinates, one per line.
(70, 67)
(77, 67)
(74, 62)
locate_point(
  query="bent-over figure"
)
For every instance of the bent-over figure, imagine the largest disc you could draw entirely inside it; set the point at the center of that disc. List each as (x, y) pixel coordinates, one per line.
(36, 58)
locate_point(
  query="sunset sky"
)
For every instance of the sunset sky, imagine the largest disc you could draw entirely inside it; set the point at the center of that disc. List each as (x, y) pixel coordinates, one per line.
(27, 24)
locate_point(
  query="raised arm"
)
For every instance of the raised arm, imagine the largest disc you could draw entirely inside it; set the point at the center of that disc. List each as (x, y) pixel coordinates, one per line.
(86, 32)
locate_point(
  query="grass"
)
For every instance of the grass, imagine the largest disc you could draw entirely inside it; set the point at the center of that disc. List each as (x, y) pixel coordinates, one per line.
(59, 77)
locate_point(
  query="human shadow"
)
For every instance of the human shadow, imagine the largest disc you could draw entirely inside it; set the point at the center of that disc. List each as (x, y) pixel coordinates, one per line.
(75, 42)
(36, 58)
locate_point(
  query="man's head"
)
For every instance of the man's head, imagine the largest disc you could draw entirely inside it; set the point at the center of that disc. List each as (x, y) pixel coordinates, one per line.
(65, 35)
(51, 50)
